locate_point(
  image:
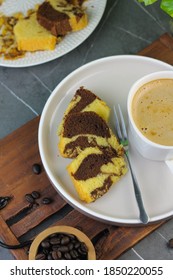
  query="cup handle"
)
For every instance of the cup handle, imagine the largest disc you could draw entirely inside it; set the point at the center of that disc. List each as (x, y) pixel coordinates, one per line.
(170, 164)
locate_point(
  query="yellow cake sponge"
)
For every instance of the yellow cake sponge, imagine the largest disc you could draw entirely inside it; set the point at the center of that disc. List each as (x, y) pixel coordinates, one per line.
(31, 36)
(94, 171)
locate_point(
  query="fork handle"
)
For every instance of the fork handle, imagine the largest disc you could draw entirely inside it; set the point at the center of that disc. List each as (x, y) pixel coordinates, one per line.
(143, 215)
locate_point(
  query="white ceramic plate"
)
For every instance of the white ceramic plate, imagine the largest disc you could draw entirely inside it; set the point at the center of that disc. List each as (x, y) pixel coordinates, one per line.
(95, 9)
(110, 78)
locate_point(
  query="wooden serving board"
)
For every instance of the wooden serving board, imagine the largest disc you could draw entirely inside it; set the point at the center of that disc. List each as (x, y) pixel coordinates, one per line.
(18, 220)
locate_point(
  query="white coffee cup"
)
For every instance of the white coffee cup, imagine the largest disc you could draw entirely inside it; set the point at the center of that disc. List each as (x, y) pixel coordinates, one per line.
(147, 148)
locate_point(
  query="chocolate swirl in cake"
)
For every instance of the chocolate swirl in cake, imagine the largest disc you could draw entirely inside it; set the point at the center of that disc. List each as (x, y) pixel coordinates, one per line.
(95, 170)
(85, 123)
(83, 130)
(98, 192)
(54, 21)
(86, 98)
(83, 142)
(55, 16)
(91, 165)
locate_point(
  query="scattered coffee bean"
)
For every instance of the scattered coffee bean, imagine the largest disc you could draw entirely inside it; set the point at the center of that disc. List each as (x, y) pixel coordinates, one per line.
(35, 194)
(170, 243)
(62, 246)
(29, 198)
(46, 200)
(4, 201)
(36, 168)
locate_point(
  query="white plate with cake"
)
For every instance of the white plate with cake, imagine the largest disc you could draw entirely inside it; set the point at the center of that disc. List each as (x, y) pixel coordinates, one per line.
(110, 79)
(20, 57)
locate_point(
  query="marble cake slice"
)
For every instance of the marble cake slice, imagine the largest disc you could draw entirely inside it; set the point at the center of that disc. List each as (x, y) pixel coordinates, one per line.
(94, 171)
(61, 17)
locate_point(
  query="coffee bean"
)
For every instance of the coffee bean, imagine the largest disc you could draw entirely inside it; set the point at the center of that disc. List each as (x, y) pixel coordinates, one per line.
(4, 201)
(45, 244)
(83, 247)
(63, 249)
(35, 194)
(53, 235)
(70, 246)
(59, 254)
(40, 257)
(55, 240)
(77, 244)
(67, 256)
(55, 247)
(29, 198)
(3, 204)
(36, 168)
(74, 254)
(71, 236)
(46, 200)
(81, 252)
(170, 243)
(55, 255)
(65, 240)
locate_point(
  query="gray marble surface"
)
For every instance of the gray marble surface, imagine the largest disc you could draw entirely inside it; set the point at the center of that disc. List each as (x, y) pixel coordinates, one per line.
(125, 28)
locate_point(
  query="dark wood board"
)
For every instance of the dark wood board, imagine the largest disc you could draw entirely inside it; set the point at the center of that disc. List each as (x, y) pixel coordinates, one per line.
(19, 151)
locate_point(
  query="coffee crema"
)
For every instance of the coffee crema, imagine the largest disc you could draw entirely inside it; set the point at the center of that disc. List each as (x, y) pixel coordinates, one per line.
(152, 111)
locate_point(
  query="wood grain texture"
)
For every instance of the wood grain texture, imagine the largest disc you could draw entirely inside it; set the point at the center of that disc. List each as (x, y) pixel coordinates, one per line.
(19, 151)
(161, 49)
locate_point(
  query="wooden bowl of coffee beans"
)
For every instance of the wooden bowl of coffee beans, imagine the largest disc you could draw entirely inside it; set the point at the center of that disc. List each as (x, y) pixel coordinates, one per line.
(62, 243)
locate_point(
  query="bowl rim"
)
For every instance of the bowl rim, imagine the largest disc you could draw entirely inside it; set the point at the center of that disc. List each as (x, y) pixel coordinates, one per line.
(64, 229)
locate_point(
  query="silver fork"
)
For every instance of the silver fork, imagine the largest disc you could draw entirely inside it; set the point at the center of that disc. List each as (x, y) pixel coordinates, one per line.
(122, 136)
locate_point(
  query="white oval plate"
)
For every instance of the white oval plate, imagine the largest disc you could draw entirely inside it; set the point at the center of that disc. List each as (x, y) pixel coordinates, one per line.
(95, 9)
(110, 78)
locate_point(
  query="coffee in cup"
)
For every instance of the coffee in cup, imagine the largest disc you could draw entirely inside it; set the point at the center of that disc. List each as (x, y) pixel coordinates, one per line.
(150, 112)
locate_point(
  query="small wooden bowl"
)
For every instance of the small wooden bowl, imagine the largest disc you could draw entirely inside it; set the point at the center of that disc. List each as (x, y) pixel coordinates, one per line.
(64, 229)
